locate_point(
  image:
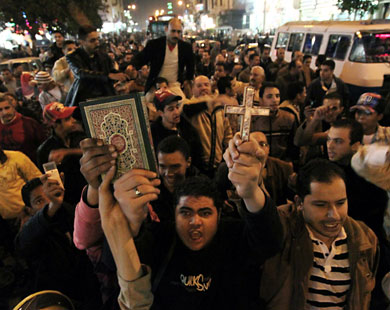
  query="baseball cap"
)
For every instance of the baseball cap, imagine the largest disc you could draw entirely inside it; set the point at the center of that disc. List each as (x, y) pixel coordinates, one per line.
(43, 77)
(367, 102)
(164, 97)
(55, 110)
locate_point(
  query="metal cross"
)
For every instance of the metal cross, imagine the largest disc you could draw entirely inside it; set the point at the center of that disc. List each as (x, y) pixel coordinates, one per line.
(246, 111)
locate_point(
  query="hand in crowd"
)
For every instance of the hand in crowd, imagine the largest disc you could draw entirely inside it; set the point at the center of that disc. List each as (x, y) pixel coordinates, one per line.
(57, 156)
(245, 161)
(54, 191)
(309, 112)
(118, 76)
(133, 191)
(97, 159)
(320, 113)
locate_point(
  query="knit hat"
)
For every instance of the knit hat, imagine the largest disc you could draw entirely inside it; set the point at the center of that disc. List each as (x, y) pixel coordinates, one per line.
(164, 97)
(367, 102)
(55, 110)
(42, 77)
(44, 299)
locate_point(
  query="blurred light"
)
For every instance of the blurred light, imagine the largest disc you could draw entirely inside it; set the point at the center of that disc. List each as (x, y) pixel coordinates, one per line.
(162, 12)
(157, 12)
(180, 2)
(382, 35)
(133, 7)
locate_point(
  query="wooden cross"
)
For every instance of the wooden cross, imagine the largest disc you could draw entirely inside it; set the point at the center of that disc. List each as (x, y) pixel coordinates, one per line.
(246, 111)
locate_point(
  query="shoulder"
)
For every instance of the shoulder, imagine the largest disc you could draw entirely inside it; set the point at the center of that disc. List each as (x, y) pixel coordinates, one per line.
(360, 232)
(280, 163)
(282, 114)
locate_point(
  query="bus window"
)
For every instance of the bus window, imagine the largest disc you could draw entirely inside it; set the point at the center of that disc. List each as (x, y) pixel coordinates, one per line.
(282, 39)
(371, 48)
(312, 43)
(338, 46)
(295, 42)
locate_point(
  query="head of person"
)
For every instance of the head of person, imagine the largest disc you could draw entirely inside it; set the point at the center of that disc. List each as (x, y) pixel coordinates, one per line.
(168, 107)
(7, 75)
(174, 31)
(297, 55)
(280, 52)
(60, 118)
(296, 92)
(326, 70)
(33, 195)
(89, 39)
(144, 72)
(205, 57)
(173, 157)
(111, 55)
(197, 209)
(44, 81)
(201, 86)
(322, 199)
(69, 46)
(270, 96)
(7, 111)
(128, 57)
(335, 105)
(307, 61)
(224, 86)
(220, 59)
(161, 83)
(262, 140)
(254, 60)
(45, 300)
(220, 70)
(295, 68)
(58, 38)
(319, 60)
(369, 111)
(257, 77)
(17, 69)
(344, 139)
(266, 53)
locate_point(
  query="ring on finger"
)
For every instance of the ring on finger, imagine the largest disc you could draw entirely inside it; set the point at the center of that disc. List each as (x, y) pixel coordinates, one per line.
(137, 192)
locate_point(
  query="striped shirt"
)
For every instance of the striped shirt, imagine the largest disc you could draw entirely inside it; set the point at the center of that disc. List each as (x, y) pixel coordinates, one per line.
(330, 277)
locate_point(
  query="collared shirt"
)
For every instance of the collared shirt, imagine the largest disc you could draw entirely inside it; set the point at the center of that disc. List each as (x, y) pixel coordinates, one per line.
(330, 277)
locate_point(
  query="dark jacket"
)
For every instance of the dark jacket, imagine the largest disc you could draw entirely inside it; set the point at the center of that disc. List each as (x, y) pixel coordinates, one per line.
(185, 131)
(222, 275)
(153, 55)
(90, 76)
(47, 245)
(284, 282)
(316, 93)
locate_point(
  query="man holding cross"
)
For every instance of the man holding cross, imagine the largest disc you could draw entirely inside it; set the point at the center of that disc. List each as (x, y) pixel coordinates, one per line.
(200, 262)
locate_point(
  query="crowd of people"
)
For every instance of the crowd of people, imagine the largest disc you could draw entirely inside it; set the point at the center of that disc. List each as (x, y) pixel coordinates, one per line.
(297, 217)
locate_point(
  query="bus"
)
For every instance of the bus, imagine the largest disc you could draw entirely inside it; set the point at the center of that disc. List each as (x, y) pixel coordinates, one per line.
(360, 49)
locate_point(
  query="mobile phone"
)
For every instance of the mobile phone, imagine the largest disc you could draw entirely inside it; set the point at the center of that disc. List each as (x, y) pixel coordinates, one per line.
(50, 169)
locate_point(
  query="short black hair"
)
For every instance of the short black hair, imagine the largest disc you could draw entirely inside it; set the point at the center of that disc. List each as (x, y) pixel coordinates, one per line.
(330, 63)
(68, 42)
(251, 56)
(356, 129)
(58, 31)
(292, 64)
(335, 96)
(84, 31)
(294, 88)
(16, 65)
(267, 85)
(28, 188)
(6, 69)
(306, 57)
(198, 186)
(317, 170)
(160, 80)
(224, 83)
(172, 144)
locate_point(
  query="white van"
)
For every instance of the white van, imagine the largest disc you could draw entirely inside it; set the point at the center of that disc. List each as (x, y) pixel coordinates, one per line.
(360, 49)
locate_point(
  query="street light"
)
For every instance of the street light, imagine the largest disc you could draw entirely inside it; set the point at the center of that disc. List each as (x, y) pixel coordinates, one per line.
(180, 2)
(133, 7)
